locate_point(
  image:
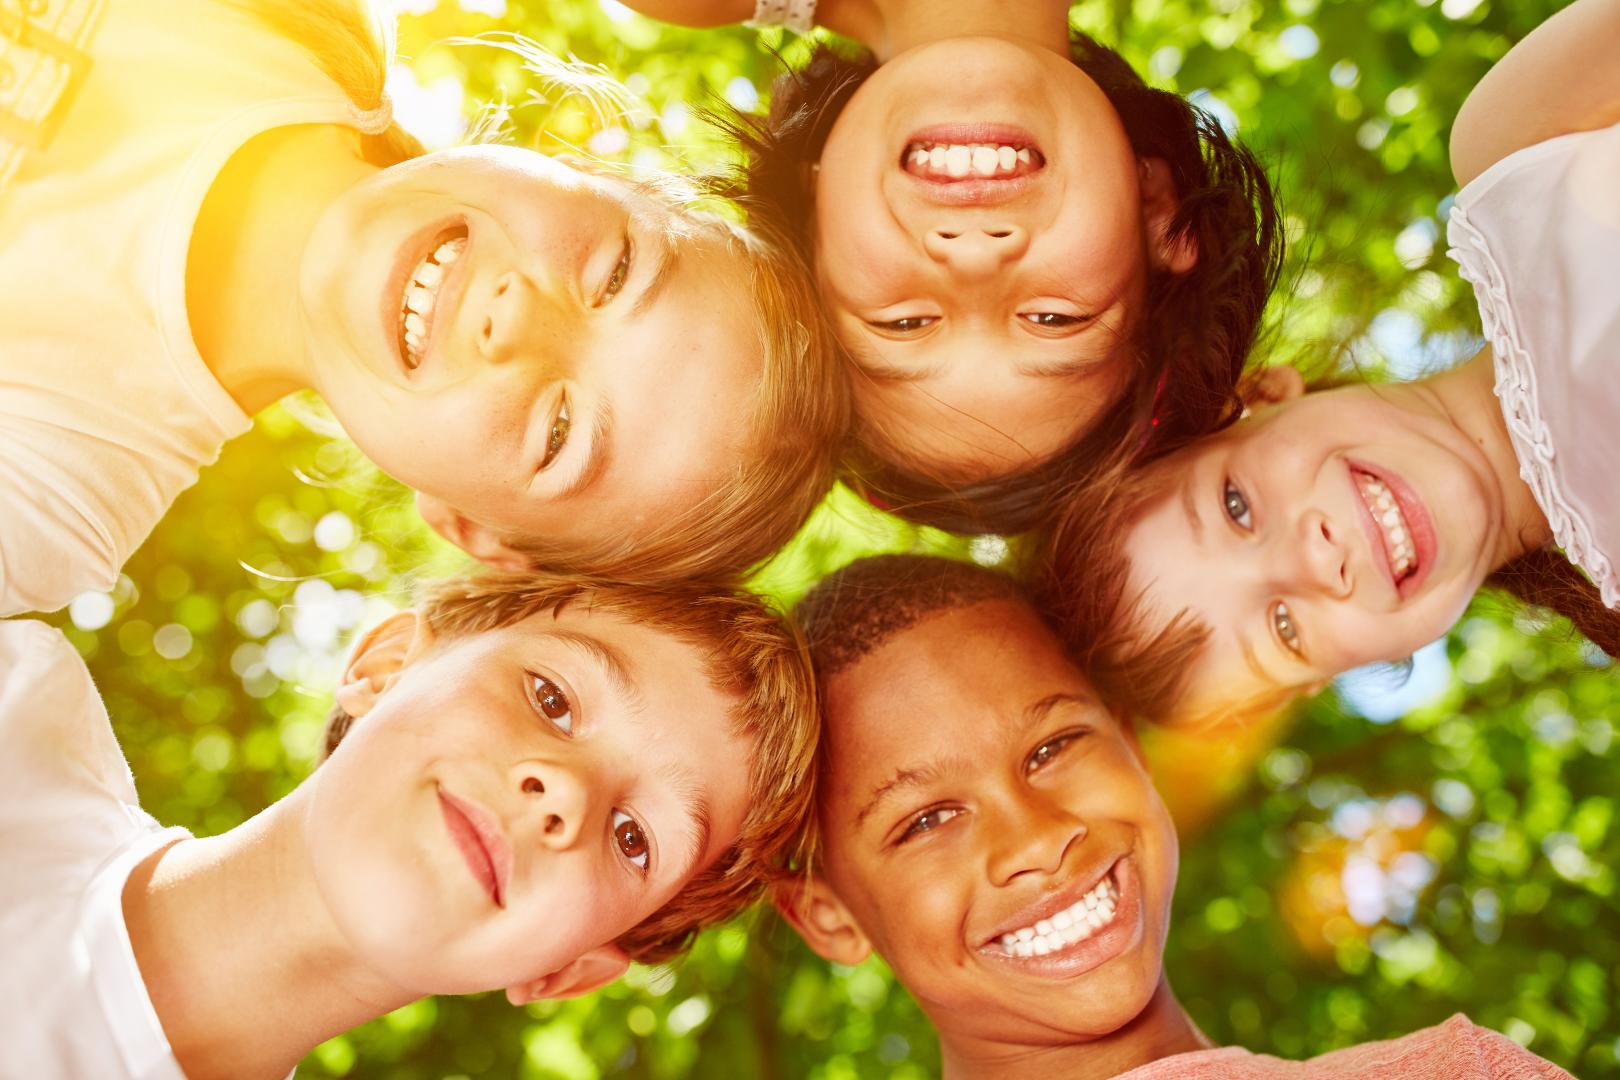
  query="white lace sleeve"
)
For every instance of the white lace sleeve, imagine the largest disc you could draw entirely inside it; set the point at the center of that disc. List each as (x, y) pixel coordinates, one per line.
(797, 15)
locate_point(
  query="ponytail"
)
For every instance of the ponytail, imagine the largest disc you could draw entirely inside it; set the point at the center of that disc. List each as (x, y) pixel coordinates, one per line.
(1547, 579)
(354, 47)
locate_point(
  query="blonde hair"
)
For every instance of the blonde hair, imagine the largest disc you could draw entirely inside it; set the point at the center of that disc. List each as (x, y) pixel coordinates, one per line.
(803, 405)
(749, 652)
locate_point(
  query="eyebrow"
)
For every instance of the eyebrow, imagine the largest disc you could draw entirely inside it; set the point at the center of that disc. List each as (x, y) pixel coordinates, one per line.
(699, 824)
(921, 775)
(877, 367)
(1074, 364)
(620, 671)
(596, 457)
(669, 257)
(1190, 505)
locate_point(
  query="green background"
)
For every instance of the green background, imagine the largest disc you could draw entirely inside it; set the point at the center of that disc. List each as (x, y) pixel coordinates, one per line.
(1343, 879)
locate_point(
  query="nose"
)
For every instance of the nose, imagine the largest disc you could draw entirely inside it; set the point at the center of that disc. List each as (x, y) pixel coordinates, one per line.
(1032, 836)
(505, 328)
(976, 251)
(1322, 556)
(557, 797)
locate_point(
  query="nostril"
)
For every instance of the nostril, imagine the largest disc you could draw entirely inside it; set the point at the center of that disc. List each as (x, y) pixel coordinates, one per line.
(533, 786)
(489, 329)
(554, 824)
(1000, 234)
(500, 290)
(949, 235)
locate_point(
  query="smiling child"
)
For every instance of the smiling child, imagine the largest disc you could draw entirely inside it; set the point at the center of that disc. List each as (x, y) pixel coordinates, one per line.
(574, 370)
(1034, 260)
(1350, 526)
(531, 783)
(988, 826)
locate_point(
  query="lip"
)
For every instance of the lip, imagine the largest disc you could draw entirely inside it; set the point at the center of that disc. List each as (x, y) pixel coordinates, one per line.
(478, 837)
(1419, 525)
(982, 191)
(1120, 936)
(416, 248)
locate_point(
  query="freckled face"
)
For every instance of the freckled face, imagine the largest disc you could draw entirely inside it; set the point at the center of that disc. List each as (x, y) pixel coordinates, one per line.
(977, 788)
(555, 381)
(519, 796)
(1338, 529)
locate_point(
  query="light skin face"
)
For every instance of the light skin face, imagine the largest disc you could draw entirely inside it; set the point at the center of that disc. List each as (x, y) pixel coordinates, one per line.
(509, 802)
(565, 386)
(973, 781)
(1307, 585)
(986, 327)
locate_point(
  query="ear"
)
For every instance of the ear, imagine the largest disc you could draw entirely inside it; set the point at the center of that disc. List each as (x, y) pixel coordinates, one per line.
(1271, 385)
(1160, 202)
(812, 908)
(589, 971)
(479, 541)
(378, 657)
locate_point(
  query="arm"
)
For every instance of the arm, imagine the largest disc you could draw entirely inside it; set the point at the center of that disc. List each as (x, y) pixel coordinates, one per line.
(695, 12)
(1562, 78)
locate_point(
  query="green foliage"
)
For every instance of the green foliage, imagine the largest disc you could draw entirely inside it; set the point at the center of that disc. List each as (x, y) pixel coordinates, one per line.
(1492, 810)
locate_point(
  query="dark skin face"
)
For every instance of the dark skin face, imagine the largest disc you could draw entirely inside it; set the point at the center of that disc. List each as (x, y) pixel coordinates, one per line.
(976, 786)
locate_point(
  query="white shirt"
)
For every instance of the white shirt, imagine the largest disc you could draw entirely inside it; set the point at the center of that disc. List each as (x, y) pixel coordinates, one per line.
(107, 411)
(1538, 235)
(72, 1002)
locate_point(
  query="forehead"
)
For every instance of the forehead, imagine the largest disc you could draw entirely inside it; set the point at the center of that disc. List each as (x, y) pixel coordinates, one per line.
(947, 685)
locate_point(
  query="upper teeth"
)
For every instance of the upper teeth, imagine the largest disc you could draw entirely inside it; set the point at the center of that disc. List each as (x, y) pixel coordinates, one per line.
(957, 160)
(1387, 512)
(421, 291)
(1076, 922)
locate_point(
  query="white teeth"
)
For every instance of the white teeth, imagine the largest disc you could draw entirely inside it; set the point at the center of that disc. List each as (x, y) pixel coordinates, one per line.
(959, 160)
(1074, 923)
(1387, 512)
(421, 294)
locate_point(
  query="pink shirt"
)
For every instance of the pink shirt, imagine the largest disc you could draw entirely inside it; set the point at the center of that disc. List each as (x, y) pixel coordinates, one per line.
(1458, 1049)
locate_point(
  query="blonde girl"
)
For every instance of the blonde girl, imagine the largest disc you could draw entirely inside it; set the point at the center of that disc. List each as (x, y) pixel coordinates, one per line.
(207, 206)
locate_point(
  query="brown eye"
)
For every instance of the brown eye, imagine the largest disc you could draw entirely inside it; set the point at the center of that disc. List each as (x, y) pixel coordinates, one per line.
(559, 435)
(631, 840)
(552, 703)
(1045, 753)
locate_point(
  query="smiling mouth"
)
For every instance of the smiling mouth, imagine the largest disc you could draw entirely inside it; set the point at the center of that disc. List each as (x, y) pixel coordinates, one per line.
(943, 162)
(421, 294)
(1399, 547)
(1092, 913)
(474, 847)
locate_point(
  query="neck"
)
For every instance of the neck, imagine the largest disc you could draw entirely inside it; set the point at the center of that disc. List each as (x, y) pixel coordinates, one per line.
(1466, 397)
(229, 931)
(889, 27)
(1158, 1031)
(242, 269)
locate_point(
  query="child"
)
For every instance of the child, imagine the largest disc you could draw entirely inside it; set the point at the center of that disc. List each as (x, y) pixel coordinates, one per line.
(1341, 528)
(533, 782)
(225, 214)
(1035, 261)
(988, 826)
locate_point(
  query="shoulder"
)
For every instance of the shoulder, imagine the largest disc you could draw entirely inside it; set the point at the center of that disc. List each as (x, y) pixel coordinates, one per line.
(1458, 1049)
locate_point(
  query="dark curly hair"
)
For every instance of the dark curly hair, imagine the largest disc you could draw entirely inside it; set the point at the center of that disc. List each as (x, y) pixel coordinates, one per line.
(1197, 327)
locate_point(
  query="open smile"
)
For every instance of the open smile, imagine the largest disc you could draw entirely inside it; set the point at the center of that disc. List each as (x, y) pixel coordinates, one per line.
(420, 288)
(1400, 531)
(478, 837)
(971, 164)
(1070, 933)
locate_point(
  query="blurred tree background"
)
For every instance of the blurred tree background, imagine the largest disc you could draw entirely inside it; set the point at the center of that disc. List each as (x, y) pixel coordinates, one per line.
(1392, 853)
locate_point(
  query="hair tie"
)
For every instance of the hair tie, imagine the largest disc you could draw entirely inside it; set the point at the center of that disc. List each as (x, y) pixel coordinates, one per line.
(375, 121)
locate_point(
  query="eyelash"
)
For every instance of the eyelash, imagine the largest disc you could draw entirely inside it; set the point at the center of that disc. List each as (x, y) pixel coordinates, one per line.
(1059, 321)
(908, 325)
(1232, 495)
(621, 273)
(941, 814)
(560, 428)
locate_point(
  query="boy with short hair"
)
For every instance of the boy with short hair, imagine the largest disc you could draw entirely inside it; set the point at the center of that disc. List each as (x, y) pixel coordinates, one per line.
(989, 827)
(534, 782)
